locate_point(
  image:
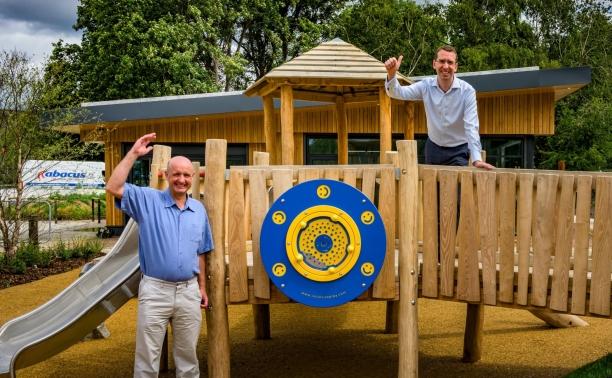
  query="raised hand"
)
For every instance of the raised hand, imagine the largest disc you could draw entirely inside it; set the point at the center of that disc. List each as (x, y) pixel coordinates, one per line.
(141, 146)
(392, 65)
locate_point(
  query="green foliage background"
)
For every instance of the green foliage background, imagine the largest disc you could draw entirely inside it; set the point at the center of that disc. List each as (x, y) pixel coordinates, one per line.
(142, 48)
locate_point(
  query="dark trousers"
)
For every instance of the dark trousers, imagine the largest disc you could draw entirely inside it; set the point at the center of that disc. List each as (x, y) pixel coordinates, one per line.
(440, 155)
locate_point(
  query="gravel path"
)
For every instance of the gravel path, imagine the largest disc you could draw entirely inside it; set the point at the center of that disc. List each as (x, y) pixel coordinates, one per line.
(346, 341)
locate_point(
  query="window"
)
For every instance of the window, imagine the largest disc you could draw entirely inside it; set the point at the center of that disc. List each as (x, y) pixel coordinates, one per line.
(322, 149)
(507, 152)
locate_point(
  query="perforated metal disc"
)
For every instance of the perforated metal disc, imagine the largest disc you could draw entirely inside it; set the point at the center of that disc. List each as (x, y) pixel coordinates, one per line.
(323, 243)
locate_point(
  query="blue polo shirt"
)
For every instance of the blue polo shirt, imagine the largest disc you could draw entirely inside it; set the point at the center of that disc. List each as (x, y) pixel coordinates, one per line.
(169, 239)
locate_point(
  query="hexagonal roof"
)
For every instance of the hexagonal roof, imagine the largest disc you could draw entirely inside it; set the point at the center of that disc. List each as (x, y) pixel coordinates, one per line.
(333, 68)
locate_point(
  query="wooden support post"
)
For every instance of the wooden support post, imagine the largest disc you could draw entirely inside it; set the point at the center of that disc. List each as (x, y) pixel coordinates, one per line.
(287, 125)
(261, 312)
(342, 131)
(385, 123)
(270, 128)
(472, 338)
(216, 317)
(408, 263)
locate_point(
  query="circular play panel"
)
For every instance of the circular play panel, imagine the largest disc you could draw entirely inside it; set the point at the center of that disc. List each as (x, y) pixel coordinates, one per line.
(323, 243)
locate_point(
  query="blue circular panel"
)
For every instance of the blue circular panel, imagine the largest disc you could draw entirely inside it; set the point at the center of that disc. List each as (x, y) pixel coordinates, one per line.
(323, 238)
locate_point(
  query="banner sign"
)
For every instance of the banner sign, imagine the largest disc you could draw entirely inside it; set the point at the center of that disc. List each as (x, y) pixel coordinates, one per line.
(55, 174)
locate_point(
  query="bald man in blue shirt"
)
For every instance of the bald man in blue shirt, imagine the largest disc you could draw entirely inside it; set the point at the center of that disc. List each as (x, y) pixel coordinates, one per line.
(450, 106)
(174, 235)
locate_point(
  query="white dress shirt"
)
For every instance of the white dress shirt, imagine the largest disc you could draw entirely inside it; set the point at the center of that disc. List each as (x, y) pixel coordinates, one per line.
(452, 117)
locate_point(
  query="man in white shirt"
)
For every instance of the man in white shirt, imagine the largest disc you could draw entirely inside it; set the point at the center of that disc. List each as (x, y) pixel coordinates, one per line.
(450, 106)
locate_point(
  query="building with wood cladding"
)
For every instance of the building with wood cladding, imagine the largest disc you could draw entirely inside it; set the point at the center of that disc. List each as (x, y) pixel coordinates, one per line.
(327, 106)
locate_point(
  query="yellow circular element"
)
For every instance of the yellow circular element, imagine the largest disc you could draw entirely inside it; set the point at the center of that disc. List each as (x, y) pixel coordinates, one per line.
(367, 269)
(323, 243)
(367, 217)
(279, 269)
(323, 191)
(279, 217)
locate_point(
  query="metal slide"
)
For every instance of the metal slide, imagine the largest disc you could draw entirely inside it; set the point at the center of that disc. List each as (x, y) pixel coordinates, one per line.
(76, 311)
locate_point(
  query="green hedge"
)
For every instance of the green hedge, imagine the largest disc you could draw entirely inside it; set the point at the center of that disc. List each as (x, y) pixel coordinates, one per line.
(30, 255)
(66, 207)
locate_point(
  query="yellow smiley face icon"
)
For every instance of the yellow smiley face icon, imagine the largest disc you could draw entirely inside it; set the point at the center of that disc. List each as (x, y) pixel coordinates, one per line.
(323, 191)
(279, 269)
(367, 269)
(279, 217)
(367, 217)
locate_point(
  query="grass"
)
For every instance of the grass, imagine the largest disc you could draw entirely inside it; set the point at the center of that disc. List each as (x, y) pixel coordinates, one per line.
(601, 368)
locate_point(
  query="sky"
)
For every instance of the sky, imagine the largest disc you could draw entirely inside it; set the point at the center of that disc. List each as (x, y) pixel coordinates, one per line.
(32, 26)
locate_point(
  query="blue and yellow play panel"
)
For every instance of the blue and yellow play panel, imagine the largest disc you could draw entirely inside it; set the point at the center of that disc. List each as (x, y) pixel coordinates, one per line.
(323, 243)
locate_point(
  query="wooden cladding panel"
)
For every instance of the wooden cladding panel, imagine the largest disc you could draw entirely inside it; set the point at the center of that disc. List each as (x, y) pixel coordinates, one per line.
(531, 113)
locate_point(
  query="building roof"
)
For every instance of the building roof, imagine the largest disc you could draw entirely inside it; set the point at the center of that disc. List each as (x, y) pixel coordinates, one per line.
(562, 81)
(332, 68)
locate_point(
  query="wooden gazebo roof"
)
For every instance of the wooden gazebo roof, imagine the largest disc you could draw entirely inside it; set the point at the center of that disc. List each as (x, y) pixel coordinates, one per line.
(331, 69)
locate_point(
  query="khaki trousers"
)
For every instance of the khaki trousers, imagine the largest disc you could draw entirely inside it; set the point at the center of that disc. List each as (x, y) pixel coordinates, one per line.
(160, 302)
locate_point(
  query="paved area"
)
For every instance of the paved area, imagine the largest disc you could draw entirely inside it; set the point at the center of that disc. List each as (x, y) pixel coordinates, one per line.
(52, 232)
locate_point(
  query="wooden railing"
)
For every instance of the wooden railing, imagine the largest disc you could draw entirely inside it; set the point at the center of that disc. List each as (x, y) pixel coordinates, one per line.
(523, 238)
(518, 238)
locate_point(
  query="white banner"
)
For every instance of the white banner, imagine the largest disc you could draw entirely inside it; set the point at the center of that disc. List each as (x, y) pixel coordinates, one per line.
(58, 175)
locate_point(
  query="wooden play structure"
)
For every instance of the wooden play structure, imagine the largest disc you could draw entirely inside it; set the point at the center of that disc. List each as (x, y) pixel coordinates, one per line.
(538, 240)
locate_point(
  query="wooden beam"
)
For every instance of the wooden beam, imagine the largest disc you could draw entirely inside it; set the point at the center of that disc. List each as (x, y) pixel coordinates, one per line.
(342, 131)
(385, 123)
(313, 96)
(270, 128)
(287, 124)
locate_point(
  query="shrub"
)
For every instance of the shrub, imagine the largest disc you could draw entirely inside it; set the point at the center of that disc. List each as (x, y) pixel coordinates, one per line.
(61, 250)
(17, 266)
(94, 247)
(46, 257)
(29, 253)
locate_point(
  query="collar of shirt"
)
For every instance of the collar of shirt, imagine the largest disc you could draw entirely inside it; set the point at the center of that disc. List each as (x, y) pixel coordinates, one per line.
(454, 85)
(169, 201)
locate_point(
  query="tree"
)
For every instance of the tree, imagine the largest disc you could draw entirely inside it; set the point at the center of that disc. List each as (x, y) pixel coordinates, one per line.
(26, 132)
(385, 28)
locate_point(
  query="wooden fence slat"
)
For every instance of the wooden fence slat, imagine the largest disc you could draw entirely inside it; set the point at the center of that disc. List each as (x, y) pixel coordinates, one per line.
(546, 199)
(599, 301)
(581, 246)
(368, 183)
(307, 174)
(525, 216)
(507, 217)
(448, 230)
(281, 182)
(259, 207)
(487, 217)
(350, 176)
(332, 173)
(563, 245)
(468, 284)
(430, 234)
(368, 188)
(238, 277)
(384, 286)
